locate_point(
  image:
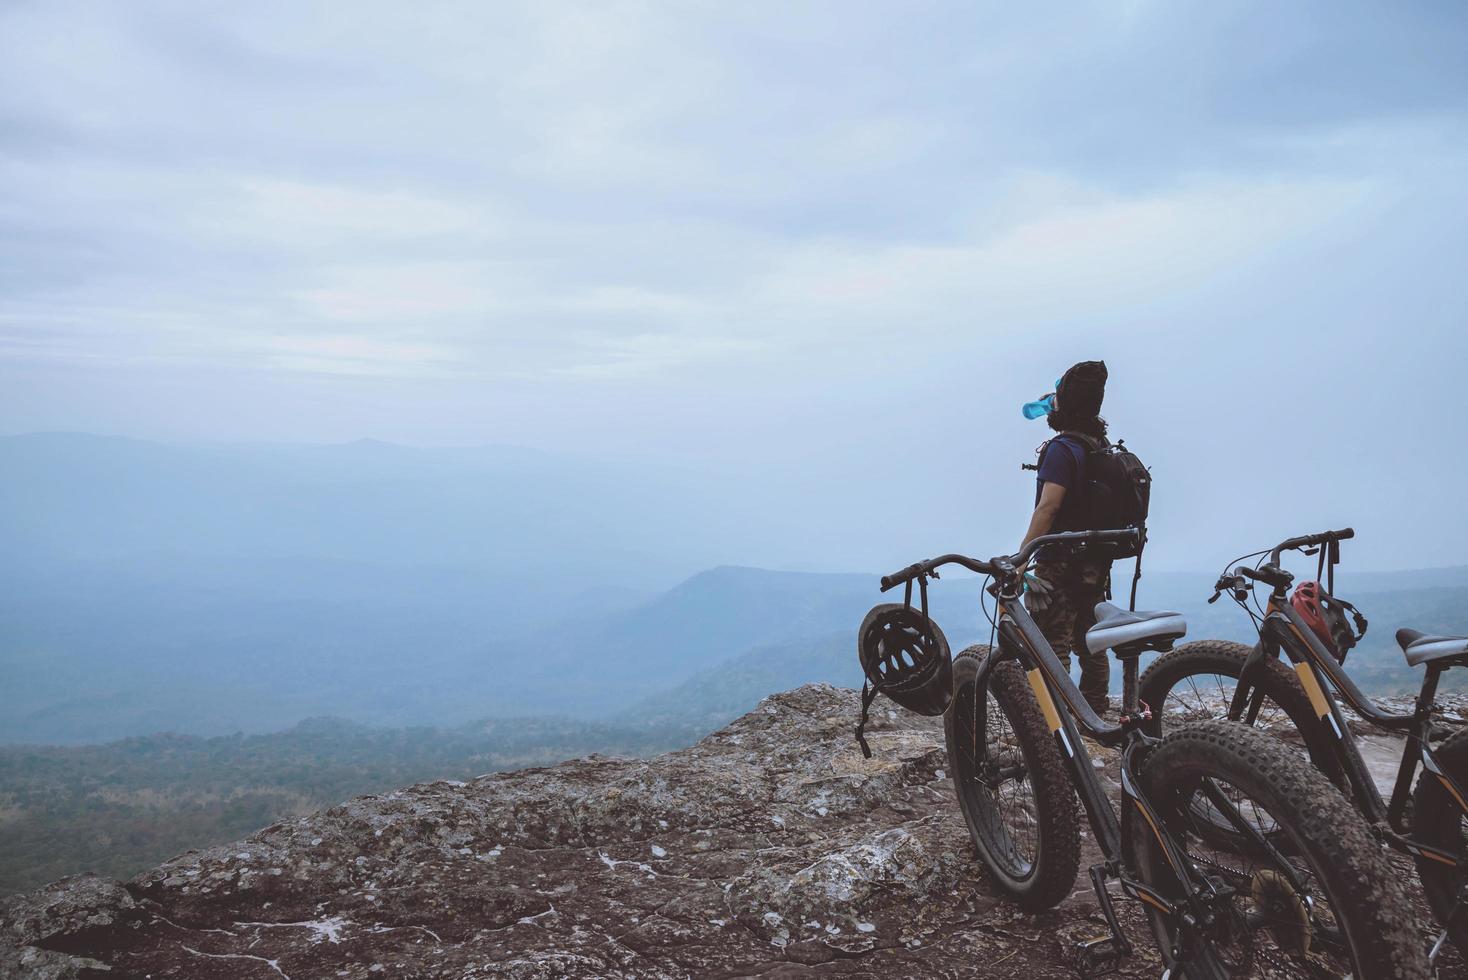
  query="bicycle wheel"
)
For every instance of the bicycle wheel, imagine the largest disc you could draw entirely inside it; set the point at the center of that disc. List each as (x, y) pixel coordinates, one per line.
(1197, 682)
(1013, 786)
(1437, 819)
(1319, 901)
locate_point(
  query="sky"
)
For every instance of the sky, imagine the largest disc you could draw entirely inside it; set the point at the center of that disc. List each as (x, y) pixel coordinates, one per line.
(823, 248)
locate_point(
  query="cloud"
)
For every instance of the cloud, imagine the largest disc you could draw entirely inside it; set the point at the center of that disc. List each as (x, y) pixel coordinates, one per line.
(406, 293)
(651, 354)
(1084, 252)
(358, 356)
(293, 212)
(589, 196)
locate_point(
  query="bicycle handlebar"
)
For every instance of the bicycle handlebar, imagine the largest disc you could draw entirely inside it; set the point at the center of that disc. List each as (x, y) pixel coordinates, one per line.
(1306, 540)
(926, 567)
(1268, 574)
(1005, 564)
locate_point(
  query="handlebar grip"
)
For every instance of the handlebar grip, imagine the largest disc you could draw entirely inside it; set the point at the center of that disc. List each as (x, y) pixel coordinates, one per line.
(897, 578)
(1344, 534)
(1111, 534)
(1268, 574)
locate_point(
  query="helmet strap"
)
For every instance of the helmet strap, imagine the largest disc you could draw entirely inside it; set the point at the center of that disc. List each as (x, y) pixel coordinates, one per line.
(869, 694)
(922, 581)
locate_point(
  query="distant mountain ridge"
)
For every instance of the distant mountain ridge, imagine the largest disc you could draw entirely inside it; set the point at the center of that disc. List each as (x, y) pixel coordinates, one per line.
(725, 690)
(599, 665)
(696, 654)
(213, 589)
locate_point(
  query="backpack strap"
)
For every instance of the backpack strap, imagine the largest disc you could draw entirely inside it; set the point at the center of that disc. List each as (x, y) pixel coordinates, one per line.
(1137, 574)
(1092, 443)
(1088, 443)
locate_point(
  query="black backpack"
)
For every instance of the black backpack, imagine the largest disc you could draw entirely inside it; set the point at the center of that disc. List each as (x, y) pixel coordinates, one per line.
(1118, 488)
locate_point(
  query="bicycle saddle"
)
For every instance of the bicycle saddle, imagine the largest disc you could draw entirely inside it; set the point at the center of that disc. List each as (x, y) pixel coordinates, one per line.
(1116, 628)
(1420, 648)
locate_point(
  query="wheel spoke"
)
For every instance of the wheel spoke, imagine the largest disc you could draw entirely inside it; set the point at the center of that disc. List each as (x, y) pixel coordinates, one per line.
(998, 782)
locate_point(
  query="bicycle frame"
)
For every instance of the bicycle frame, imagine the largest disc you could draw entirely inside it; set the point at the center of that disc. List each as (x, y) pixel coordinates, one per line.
(1068, 716)
(1283, 629)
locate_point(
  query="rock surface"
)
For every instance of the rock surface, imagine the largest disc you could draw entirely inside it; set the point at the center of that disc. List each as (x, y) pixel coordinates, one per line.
(771, 848)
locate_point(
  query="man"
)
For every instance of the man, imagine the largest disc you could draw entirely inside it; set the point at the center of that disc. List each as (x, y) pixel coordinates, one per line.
(1062, 589)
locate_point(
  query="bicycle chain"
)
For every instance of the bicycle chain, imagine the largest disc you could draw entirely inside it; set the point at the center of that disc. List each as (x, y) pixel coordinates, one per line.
(1270, 953)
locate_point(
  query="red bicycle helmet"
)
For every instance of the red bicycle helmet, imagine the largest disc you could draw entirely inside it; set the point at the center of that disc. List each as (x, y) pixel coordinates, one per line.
(1326, 617)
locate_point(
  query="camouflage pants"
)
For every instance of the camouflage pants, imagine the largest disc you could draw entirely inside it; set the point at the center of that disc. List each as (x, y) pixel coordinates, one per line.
(1063, 605)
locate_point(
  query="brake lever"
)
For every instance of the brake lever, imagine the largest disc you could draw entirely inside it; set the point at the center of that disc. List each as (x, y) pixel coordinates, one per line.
(1237, 585)
(1224, 581)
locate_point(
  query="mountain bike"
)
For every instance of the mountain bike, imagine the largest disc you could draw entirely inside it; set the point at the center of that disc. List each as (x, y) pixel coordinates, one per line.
(1296, 887)
(1231, 680)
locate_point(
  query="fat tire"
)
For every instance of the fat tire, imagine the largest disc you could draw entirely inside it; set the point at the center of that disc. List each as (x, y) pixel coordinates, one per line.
(1365, 895)
(1226, 658)
(1436, 821)
(1058, 847)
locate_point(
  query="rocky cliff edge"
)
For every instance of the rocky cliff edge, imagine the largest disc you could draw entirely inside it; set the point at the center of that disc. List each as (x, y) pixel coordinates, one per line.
(771, 848)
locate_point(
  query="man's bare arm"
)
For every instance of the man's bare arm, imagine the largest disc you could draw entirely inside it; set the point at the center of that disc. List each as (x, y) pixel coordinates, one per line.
(1051, 495)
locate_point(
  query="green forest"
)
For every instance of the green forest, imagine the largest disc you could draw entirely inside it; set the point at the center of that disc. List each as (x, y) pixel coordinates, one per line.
(123, 807)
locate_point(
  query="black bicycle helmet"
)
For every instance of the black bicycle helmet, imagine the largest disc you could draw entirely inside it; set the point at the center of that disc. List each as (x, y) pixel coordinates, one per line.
(905, 656)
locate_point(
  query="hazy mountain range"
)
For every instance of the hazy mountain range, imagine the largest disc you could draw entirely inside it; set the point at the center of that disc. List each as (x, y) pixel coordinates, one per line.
(460, 610)
(211, 590)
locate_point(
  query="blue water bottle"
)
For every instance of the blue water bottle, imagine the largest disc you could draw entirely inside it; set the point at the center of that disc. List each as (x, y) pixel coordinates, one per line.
(1042, 407)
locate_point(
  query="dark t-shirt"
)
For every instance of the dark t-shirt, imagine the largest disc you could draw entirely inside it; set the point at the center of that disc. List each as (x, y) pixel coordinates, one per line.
(1064, 463)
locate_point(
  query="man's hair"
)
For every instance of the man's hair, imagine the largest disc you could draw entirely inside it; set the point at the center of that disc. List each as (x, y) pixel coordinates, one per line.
(1062, 421)
(1078, 400)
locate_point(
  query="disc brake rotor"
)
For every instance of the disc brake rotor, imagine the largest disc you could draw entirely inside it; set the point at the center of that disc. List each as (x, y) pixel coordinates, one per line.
(1286, 914)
